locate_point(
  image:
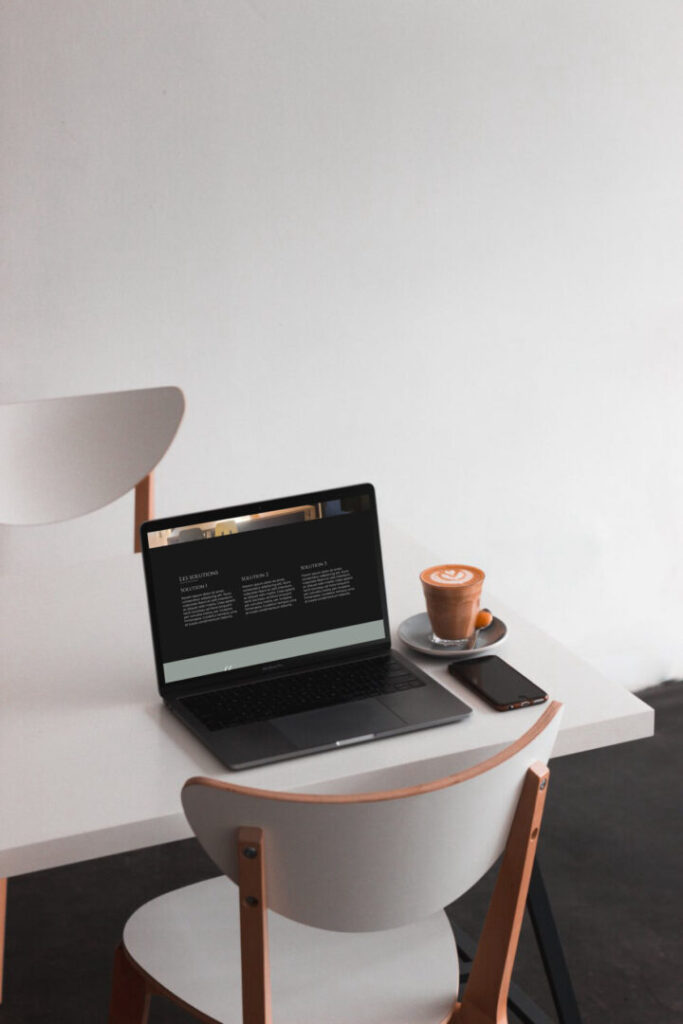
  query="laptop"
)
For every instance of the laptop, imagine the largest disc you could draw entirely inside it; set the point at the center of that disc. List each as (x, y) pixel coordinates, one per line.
(270, 629)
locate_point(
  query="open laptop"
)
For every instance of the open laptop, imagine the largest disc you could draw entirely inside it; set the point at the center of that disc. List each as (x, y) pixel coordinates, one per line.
(270, 629)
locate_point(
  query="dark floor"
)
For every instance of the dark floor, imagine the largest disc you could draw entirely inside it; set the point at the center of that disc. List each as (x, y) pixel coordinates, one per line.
(611, 849)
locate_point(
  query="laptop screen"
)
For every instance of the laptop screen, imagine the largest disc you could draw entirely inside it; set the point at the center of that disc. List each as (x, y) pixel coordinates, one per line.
(244, 590)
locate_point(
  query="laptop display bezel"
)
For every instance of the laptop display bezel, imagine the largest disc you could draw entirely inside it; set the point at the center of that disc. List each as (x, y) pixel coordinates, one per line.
(288, 666)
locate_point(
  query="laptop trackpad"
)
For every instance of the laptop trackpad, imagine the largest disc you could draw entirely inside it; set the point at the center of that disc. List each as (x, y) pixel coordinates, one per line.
(325, 726)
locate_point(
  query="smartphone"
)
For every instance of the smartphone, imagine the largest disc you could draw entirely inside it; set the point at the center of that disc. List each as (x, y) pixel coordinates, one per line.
(497, 682)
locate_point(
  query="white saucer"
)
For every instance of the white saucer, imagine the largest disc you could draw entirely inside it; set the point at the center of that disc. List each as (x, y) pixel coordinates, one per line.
(416, 632)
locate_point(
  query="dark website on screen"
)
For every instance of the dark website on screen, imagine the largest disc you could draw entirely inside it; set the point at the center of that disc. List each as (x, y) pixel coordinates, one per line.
(262, 588)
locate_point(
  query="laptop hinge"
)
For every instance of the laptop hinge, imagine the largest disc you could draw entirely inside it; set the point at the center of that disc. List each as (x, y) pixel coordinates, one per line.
(224, 679)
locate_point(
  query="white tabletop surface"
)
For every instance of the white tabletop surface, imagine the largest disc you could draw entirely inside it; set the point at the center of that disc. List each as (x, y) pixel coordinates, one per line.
(92, 762)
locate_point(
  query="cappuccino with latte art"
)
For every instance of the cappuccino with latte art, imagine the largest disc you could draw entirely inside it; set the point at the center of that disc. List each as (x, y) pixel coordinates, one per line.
(453, 594)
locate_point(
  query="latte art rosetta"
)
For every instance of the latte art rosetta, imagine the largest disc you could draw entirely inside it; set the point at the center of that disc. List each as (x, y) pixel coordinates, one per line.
(455, 577)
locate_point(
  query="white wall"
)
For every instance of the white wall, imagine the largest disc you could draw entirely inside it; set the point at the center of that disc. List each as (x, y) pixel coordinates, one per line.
(437, 245)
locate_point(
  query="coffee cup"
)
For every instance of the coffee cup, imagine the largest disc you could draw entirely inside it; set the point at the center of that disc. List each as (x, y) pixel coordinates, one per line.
(453, 593)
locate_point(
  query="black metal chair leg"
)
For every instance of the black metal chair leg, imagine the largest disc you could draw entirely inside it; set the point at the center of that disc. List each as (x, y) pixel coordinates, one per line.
(550, 948)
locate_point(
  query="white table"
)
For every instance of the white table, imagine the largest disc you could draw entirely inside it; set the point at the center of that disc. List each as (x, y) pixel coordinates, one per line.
(92, 763)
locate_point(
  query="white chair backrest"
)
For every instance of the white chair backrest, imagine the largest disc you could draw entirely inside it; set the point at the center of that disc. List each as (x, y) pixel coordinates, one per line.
(64, 457)
(371, 861)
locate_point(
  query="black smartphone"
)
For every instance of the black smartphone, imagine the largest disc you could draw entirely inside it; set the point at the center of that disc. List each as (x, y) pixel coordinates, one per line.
(498, 683)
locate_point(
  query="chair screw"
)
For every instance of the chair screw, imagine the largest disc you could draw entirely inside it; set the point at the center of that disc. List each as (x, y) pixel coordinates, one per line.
(544, 783)
(251, 901)
(250, 852)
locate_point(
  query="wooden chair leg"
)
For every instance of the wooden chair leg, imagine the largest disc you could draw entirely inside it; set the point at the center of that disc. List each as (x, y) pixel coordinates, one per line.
(144, 506)
(256, 1003)
(486, 994)
(130, 994)
(3, 916)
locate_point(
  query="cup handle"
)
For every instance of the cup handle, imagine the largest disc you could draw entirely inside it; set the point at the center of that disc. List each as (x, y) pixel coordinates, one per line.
(484, 619)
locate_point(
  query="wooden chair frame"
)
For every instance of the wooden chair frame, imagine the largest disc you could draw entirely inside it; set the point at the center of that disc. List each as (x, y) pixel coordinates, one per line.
(486, 994)
(144, 507)
(485, 998)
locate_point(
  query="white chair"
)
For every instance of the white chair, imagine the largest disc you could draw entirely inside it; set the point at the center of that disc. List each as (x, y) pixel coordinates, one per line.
(355, 885)
(64, 457)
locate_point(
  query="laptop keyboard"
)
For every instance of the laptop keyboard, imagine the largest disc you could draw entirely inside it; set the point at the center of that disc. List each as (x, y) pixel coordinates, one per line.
(335, 684)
